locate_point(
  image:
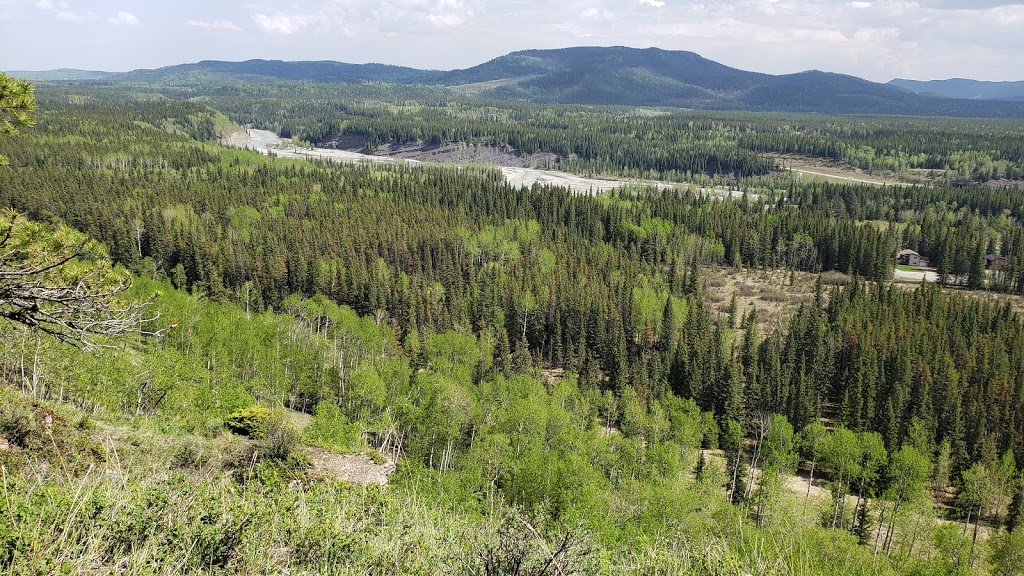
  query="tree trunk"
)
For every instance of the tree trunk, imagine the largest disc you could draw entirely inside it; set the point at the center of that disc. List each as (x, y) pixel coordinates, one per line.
(856, 507)
(810, 482)
(735, 475)
(892, 529)
(839, 496)
(878, 531)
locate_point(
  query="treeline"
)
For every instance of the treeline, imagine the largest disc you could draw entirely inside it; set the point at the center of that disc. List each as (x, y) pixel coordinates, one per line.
(968, 150)
(123, 111)
(677, 143)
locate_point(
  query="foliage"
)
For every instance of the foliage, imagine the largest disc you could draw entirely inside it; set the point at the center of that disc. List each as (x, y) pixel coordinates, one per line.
(59, 282)
(17, 103)
(252, 421)
(544, 367)
(33, 433)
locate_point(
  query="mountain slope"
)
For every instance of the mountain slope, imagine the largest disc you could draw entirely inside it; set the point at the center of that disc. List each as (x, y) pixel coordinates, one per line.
(655, 77)
(320, 71)
(964, 88)
(598, 75)
(686, 68)
(60, 74)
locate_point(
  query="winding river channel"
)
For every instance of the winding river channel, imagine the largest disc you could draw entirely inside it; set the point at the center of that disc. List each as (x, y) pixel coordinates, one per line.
(266, 142)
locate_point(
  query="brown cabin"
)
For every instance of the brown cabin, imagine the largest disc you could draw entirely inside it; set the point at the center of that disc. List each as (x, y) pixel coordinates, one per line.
(995, 262)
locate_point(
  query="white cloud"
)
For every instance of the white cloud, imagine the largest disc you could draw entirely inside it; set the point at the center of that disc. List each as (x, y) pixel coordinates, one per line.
(446, 19)
(51, 5)
(123, 19)
(68, 16)
(282, 24)
(594, 13)
(215, 25)
(877, 39)
(63, 12)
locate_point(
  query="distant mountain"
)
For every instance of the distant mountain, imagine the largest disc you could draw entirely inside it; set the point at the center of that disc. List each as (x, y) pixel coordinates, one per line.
(60, 74)
(318, 71)
(655, 77)
(672, 67)
(598, 75)
(963, 88)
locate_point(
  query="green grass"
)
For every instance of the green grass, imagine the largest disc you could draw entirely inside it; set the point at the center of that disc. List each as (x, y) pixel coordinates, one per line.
(904, 268)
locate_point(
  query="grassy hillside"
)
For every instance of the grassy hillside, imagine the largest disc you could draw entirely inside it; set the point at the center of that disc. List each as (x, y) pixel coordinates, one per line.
(123, 459)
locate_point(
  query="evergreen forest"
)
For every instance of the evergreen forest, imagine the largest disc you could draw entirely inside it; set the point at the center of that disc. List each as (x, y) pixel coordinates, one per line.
(201, 341)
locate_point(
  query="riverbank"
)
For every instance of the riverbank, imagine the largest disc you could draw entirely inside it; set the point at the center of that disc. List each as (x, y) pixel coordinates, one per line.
(265, 141)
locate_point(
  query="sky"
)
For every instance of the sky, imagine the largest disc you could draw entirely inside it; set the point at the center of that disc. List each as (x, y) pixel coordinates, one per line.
(874, 39)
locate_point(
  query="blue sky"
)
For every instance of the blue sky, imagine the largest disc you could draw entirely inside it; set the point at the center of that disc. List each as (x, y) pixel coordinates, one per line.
(875, 39)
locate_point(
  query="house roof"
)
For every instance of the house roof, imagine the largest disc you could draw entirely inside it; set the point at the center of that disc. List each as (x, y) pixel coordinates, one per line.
(906, 252)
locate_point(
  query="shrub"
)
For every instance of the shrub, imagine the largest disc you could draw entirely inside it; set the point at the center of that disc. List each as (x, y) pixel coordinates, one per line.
(251, 421)
(773, 296)
(34, 430)
(190, 454)
(834, 278)
(280, 440)
(275, 456)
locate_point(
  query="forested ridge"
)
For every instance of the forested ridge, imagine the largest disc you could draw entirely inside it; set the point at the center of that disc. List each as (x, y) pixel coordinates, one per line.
(596, 75)
(670, 144)
(537, 359)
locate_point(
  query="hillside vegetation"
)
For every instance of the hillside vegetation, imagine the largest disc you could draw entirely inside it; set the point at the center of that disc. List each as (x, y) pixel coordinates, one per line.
(557, 380)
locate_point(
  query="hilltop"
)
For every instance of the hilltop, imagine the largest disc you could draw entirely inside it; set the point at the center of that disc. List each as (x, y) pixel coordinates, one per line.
(600, 75)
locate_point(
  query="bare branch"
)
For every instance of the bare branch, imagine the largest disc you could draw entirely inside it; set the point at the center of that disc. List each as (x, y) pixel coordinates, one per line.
(61, 283)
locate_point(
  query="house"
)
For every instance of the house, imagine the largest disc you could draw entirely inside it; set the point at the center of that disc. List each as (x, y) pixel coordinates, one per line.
(995, 262)
(908, 257)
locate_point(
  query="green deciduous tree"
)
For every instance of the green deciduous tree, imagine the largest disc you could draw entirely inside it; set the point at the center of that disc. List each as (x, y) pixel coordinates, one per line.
(907, 475)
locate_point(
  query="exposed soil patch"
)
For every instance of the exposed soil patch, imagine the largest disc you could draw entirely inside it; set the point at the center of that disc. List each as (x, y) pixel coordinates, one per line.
(237, 139)
(300, 420)
(358, 469)
(1004, 183)
(477, 87)
(774, 293)
(552, 376)
(459, 153)
(797, 485)
(915, 277)
(832, 170)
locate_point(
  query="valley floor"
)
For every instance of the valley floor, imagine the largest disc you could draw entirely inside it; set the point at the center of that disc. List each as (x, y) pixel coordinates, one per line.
(517, 172)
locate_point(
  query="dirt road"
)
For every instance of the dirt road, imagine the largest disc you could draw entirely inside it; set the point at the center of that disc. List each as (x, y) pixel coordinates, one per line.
(926, 275)
(844, 178)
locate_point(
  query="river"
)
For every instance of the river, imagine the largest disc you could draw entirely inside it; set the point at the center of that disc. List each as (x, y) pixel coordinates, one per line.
(265, 141)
